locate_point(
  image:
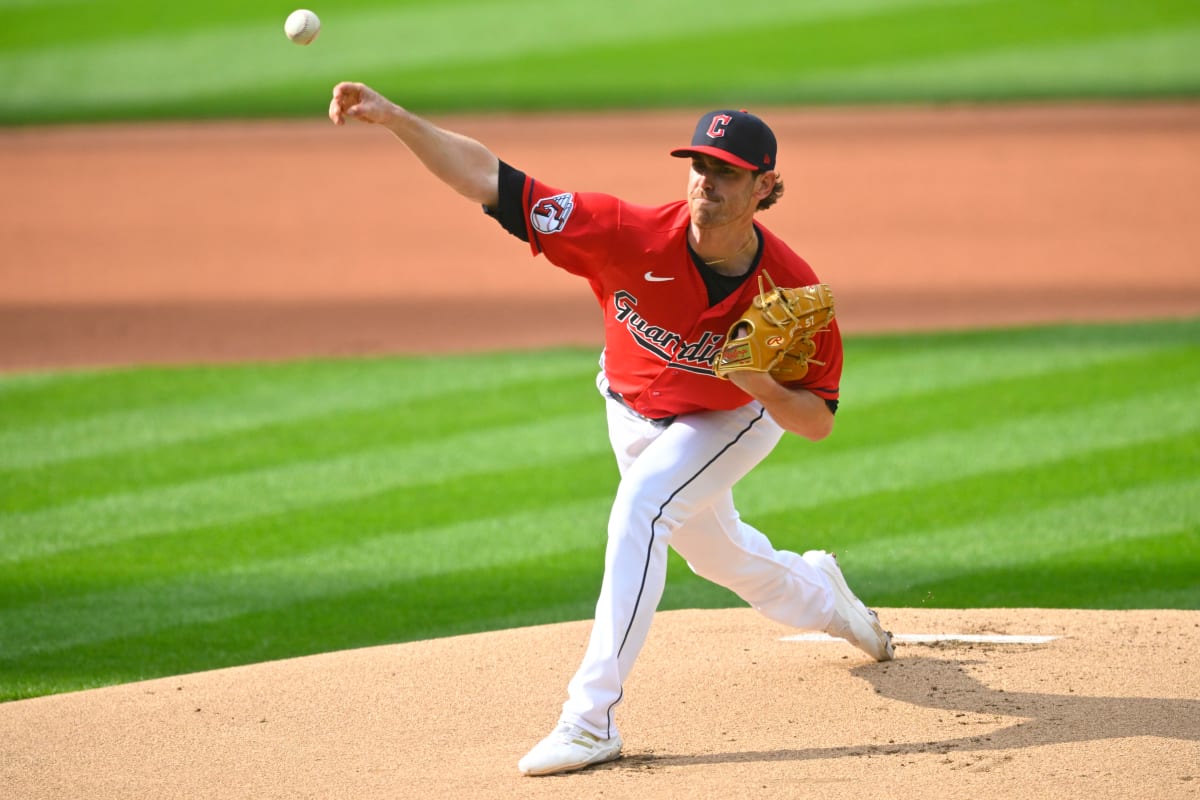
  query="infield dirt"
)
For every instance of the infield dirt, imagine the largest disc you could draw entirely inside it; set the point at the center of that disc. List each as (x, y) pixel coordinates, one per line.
(164, 244)
(278, 240)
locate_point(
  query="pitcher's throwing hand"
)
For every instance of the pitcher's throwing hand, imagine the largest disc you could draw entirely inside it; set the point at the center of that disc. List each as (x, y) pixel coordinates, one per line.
(361, 102)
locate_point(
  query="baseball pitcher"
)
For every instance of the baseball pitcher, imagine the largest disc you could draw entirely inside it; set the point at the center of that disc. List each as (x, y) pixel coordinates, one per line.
(718, 340)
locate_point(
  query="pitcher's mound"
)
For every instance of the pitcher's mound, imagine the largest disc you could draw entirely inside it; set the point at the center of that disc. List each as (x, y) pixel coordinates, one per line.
(721, 705)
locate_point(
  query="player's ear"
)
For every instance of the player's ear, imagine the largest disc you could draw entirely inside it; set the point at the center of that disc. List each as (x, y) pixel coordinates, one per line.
(764, 183)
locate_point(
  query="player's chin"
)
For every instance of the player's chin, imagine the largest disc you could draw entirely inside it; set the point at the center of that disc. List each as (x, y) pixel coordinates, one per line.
(704, 212)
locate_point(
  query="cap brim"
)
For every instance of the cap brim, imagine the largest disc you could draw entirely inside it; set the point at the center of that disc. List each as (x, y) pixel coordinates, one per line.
(715, 152)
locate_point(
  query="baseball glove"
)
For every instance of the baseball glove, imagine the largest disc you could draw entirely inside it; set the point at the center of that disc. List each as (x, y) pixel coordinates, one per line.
(775, 334)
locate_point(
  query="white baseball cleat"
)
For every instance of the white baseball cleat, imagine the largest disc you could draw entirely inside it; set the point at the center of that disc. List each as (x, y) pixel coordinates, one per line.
(568, 747)
(852, 620)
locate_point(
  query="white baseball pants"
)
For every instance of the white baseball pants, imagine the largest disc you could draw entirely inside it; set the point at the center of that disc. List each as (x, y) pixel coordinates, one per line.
(676, 490)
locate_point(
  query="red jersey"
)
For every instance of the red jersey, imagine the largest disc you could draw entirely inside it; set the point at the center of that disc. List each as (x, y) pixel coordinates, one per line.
(660, 333)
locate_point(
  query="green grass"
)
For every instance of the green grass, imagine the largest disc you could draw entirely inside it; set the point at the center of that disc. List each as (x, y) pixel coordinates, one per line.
(72, 60)
(168, 520)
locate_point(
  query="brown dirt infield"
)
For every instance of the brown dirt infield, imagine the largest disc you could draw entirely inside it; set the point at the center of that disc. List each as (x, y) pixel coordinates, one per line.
(719, 707)
(279, 240)
(161, 244)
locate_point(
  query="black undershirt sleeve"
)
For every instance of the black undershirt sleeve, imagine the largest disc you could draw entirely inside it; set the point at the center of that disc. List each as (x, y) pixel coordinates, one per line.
(510, 211)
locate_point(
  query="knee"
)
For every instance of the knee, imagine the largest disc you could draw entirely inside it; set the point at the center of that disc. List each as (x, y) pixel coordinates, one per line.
(637, 513)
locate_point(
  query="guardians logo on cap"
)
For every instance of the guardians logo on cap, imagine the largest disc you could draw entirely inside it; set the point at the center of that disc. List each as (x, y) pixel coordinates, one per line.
(735, 137)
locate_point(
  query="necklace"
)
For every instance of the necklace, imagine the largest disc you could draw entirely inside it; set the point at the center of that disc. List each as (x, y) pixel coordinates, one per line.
(753, 238)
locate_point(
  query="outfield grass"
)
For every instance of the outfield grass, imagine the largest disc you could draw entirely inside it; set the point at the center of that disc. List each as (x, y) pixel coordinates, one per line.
(168, 520)
(71, 60)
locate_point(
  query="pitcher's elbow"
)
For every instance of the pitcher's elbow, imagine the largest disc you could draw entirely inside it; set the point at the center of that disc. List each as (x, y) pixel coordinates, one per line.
(819, 428)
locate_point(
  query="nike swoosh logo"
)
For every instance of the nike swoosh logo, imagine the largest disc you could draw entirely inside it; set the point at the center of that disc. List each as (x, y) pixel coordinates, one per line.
(650, 276)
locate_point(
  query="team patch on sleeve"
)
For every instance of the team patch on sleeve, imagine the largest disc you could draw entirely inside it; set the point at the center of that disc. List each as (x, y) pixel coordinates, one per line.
(549, 215)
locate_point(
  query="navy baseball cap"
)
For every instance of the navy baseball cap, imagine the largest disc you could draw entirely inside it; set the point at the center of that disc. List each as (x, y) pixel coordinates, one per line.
(735, 137)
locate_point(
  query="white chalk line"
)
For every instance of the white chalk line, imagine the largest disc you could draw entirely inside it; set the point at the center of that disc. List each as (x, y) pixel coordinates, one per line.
(929, 638)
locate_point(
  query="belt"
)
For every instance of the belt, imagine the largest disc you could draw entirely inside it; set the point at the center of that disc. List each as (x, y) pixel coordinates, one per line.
(661, 422)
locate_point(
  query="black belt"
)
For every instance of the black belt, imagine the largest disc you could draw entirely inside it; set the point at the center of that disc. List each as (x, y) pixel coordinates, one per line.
(661, 422)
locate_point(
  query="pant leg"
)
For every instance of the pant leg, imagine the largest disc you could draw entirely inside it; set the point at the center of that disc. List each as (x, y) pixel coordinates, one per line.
(669, 475)
(779, 584)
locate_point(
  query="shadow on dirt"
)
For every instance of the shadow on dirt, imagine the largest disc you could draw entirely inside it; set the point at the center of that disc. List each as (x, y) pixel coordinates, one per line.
(1023, 719)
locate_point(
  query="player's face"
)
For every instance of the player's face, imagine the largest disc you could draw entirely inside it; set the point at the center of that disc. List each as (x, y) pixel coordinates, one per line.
(720, 193)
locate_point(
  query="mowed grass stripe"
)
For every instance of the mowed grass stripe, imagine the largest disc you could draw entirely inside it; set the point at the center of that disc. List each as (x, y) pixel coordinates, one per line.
(31, 23)
(1010, 399)
(970, 497)
(1147, 571)
(1012, 541)
(240, 496)
(231, 54)
(261, 424)
(390, 558)
(1146, 574)
(78, 417)
(549, 590)
(1164, 509)
(1178, 413)
(379, 555)
(272, 444)
(883, 374)
(846, 520)
(183, 553)
(1158, 61)
(475, 55)
(247, 495)
(849, 58)
(155, 409)
(1000, 541)
(188, 456)
(942, 456)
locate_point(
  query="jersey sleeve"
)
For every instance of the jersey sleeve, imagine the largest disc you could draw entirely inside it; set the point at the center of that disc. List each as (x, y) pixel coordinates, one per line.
(579, 232)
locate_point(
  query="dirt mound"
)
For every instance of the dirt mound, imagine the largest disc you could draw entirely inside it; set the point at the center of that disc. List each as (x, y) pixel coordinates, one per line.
(721, 704)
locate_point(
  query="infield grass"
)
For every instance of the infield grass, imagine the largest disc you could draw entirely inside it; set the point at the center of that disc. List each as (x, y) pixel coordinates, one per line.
(71, 60)
(168, 520)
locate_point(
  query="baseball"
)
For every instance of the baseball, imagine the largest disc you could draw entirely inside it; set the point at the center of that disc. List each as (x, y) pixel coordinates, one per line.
(302, 26)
